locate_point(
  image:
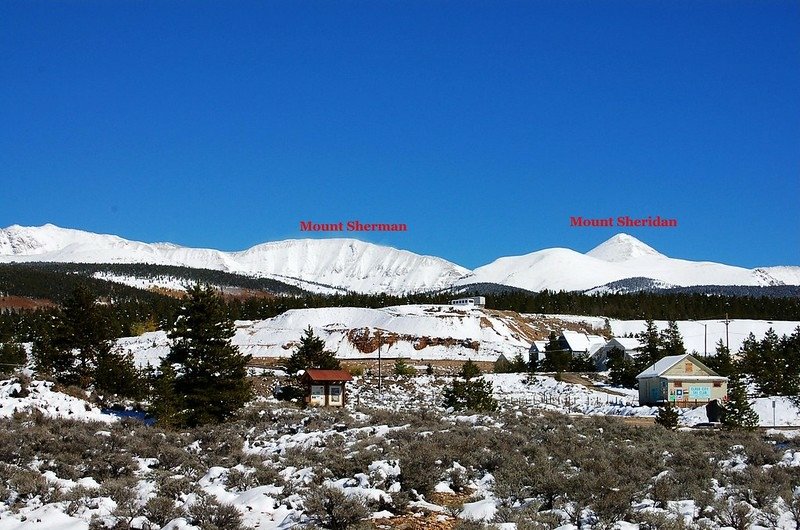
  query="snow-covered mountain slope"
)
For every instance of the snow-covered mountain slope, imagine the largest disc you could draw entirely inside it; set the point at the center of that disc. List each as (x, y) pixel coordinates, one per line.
(619, 258)
(314, 264)
(330, 265)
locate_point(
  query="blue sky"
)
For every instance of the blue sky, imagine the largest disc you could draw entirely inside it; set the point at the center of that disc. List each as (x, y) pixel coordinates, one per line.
(481, 125)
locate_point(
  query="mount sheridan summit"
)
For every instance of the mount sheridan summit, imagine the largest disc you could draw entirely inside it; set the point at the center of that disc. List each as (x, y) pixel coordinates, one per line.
(353, 265)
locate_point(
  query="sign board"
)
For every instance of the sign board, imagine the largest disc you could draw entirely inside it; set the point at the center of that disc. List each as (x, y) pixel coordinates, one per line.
(700, 392)
(679, 393)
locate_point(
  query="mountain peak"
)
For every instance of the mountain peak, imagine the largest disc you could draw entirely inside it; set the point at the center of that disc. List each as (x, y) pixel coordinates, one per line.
(622, 247)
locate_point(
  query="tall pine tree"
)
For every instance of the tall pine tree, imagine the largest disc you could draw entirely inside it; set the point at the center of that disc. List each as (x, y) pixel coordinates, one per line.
(77, 348)
(671, 340)
(210, 373)
(737, 412)
(311, 354)
(721, 362)
(651, 345)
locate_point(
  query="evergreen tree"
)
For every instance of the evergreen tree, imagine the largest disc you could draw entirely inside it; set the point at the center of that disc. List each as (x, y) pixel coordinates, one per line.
(211, 373)
(770, 377)
(737, 412)
(581, 363)
(668, 416)
(671, 340)
(519, 365)
(790, 355)
(403, 369)
(556, 359)
(750, 360)
(721, 362)
(622, 370)
(471, 394)
(534, 365)
(117, 374)
(12, 357)
(78, 336)
(311, 354)
(469, 370)
(168, 406)
(650, 339)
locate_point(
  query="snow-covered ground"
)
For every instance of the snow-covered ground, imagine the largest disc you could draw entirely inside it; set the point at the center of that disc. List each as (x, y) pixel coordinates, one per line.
(162, 282)
(40, 396)
(435, 332)
(283, 503)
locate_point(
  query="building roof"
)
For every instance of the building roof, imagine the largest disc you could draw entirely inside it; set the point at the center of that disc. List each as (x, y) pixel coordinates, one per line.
(628, 343)
(539, 344)
(581, 342)
(662, 365)
(317, 375)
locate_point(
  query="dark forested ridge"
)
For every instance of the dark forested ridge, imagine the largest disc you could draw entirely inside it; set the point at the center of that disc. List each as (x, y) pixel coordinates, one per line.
(30, 279)
(131, 310)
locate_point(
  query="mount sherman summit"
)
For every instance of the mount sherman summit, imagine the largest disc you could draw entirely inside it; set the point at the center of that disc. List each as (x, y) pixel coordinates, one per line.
(349, 264)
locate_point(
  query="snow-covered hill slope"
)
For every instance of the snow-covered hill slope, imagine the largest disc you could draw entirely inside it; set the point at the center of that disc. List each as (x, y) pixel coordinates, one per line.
(436, 332)
(423, 332)
(328, 265)
(313, 264)
(619, 258)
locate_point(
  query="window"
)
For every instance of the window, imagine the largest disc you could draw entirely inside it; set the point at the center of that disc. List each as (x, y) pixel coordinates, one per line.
(678, 384)
(688, 368)
(717, 384)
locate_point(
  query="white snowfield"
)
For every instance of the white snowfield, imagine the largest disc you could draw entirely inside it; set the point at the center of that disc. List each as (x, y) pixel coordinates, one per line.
(328, 265)
(620, 257)
(345, 264)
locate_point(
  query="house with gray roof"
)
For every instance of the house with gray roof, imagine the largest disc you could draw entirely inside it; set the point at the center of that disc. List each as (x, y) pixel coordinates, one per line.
(681, 379)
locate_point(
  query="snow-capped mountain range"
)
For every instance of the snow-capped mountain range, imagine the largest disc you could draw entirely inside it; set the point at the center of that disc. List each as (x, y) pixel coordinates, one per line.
(349, 264)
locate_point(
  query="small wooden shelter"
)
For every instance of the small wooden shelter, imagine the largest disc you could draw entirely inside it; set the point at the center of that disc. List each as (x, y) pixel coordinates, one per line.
(325, 388)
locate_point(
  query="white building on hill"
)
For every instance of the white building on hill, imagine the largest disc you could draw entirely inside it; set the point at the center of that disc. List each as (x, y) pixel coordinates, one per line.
(630, 347)
(579, 343)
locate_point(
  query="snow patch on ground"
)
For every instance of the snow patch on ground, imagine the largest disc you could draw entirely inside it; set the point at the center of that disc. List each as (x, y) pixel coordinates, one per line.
(39, 395)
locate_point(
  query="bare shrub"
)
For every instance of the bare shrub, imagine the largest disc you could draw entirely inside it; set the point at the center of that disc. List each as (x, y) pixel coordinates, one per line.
(332, 509)
(76, 499)
(31, 484)
(123, 492)
(738, 514)
(418, 468)
(160, 511)
(209, 514)
(649, 520)
(172, 487)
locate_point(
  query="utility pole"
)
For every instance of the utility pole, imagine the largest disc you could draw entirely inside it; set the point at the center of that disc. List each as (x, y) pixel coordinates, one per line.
(726, 322)
(380, 387)
(705, 336)
(705, 340)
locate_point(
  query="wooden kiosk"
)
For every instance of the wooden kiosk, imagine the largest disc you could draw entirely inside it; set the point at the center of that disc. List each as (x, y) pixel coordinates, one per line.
(325, 388)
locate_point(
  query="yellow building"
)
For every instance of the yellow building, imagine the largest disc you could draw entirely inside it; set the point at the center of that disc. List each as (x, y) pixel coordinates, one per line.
(682, 379)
